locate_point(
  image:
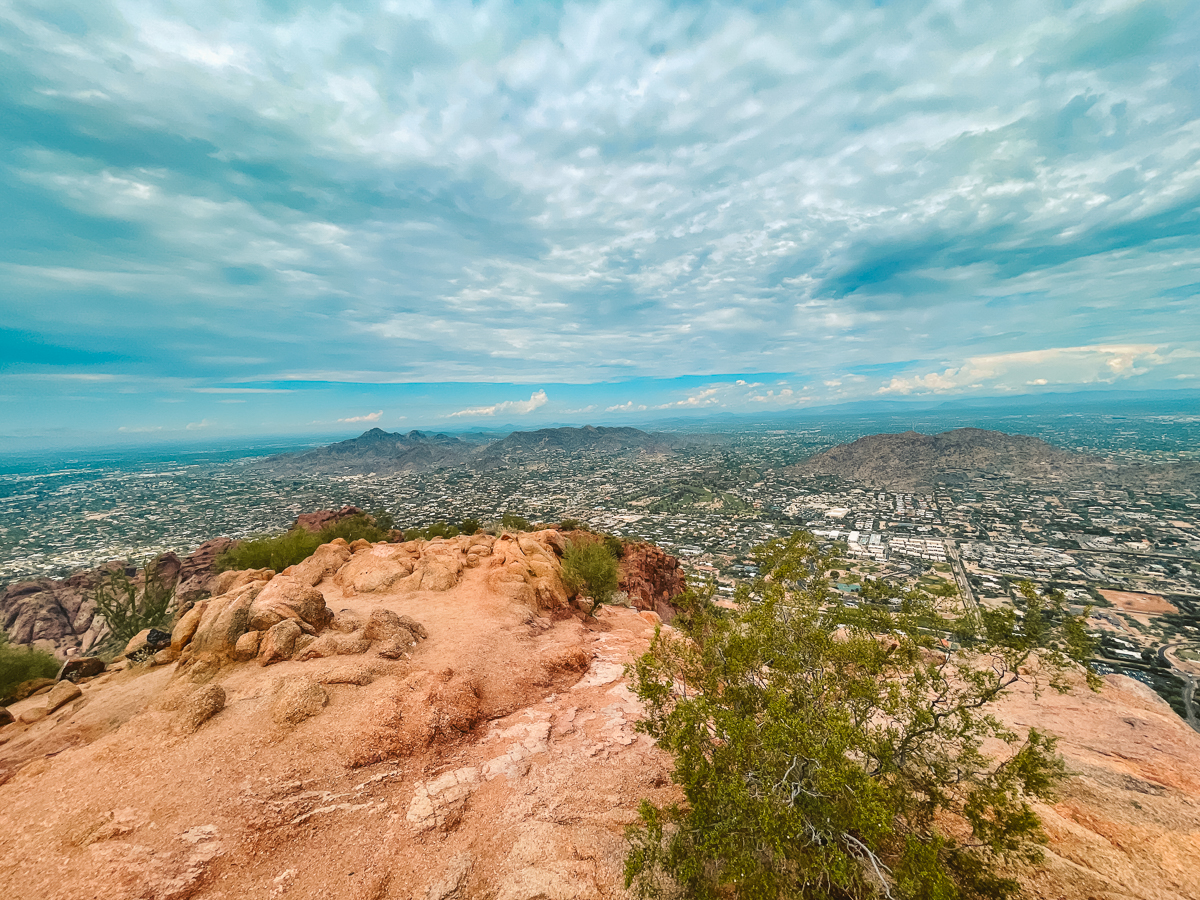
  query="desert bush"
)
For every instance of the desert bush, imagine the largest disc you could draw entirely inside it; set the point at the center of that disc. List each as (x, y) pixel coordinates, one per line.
(590, 568)
(513, 522)
(128, 606)
(20, 663)
(833, 751)
(573, 525)
(279, 551)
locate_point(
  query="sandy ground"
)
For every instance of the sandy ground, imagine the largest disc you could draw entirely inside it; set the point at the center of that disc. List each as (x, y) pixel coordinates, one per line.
(1138, 603)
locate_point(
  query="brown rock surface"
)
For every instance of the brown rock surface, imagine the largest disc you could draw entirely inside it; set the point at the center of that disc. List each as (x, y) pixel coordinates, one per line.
(651, 578)
(498, 760)
(315, 521)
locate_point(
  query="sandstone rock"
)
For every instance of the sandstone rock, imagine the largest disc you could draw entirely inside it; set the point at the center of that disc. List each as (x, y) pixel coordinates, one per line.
(137, 644)
(376, 569)
(198, 568)
(302, 643)
(246, 647)
(61, 694)
(279, 642)
(325, 645)
(28, 688)
(347, 621)
(360, 544)
(439, 803)
(226, 619)
(314, 521)
(200, 706)
(383, 624)
(452, 885)
(651, 578)
(286, 598)
(351, 673)
(297, 698)
(325, 561)
(351, 644)
(227, 582)
(30, 716)
(6, 717)
(81, 667)
(165, 657)
(185, 628)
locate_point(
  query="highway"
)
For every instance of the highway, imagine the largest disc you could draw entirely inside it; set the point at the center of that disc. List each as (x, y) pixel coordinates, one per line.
(960, 575)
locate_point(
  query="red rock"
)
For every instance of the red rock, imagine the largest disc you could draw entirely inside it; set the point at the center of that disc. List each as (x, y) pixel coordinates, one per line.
(315, 521)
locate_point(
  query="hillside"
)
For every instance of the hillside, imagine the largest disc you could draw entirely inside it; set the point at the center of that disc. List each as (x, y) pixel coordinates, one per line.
(382, 452)
(913, 461)
(373, 451)
(435, 720)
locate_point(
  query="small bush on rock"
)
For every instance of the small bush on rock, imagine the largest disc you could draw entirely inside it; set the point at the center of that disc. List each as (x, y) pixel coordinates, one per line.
(282, 550)
(128, 606)
(20, 663)
(590, 568)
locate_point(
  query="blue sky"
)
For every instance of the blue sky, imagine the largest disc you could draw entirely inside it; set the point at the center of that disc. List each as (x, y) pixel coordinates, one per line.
(271, 217)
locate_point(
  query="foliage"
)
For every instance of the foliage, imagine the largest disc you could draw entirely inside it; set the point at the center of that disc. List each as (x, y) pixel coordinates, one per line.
(20, 663)
(470, 526)
(129, 605)
(282, 550)
(573, 525)
(829, 750)
(590, 568)
(383, 520)
(513, 522)
(615, 545)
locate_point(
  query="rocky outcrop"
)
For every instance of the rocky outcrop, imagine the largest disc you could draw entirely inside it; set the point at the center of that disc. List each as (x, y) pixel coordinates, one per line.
(314, 521)
(651, 578)
(496, 755)
(60, 615)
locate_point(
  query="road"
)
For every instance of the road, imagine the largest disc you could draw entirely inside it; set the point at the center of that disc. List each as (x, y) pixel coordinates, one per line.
(960, 575)
(1189, 681)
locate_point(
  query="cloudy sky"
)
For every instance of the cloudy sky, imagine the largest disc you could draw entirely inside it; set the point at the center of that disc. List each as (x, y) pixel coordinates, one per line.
(278, 216)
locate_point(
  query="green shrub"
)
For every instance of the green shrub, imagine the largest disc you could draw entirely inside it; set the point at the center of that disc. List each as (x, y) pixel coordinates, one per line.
(127, 607)
(513, 522)
(282, 550)
(590, 568)
(828, 750)
(20, 663)
(470, 526)
(573, 525)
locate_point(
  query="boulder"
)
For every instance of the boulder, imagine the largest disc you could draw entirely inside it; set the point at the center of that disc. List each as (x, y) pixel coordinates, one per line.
(279, 643)
(314, 521)
(137, 644)
(62, 694)
(376, 569)
(286, 598)
(225, 620)
(326, 561)
(347, 621)
(6, 717)
(157, 639)
(383, 624)
(200, 706)
(185, 628)
(227, 582)
(81, 667)
(246, 647)
(30, 716)
(32, 686)
(165, 657)
(296, 699)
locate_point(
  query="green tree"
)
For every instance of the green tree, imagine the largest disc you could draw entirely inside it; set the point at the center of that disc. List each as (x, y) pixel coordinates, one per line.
(834, 751)
(513, 522)
(590, 568)
(129, 605)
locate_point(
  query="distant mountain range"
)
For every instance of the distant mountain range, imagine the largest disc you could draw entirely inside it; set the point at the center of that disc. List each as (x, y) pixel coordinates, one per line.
(384, 452)
(912, 461)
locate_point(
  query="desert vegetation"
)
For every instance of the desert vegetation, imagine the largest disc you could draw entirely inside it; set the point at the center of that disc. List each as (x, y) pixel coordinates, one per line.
(590, 568)
(22, 663)
(130, 604)
(833, 750)
(282, 550)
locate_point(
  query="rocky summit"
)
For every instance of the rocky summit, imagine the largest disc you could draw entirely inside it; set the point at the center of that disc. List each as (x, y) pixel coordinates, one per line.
(437, 720)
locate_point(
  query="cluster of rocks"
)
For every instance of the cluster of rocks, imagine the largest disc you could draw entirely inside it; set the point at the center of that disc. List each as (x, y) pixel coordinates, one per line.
(257, 614)
(59, 616)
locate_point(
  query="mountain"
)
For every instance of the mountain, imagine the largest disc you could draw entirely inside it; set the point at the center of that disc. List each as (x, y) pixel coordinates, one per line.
(914, 461)
(374, 451)
(383, 452)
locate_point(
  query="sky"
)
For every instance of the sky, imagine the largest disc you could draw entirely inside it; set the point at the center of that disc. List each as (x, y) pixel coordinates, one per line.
(283, 217)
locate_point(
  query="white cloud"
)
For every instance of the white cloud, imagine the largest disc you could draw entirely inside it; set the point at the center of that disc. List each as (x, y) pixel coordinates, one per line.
(369, 417)
(627, 406)
(1098, 364)
(509, 407)
(198, 426)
